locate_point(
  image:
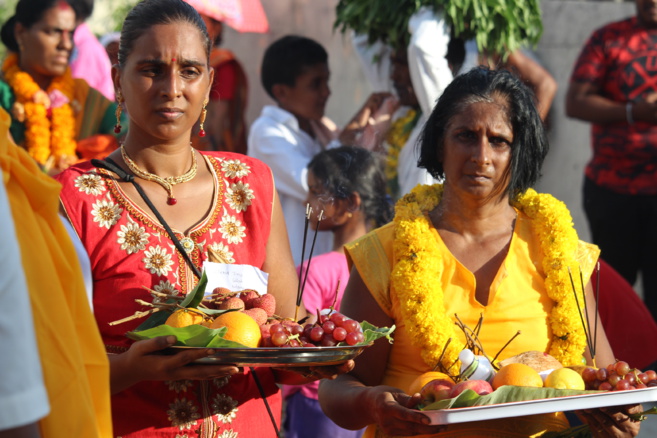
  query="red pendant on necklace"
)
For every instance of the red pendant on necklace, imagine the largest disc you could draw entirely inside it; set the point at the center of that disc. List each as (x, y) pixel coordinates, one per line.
(172, 201)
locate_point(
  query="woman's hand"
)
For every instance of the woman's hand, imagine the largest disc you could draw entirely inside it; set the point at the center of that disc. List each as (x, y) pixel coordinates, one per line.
(139, 363)
(395, 414)
(612, 421)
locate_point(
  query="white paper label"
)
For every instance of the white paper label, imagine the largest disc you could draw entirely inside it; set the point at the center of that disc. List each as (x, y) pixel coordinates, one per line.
(235, 277)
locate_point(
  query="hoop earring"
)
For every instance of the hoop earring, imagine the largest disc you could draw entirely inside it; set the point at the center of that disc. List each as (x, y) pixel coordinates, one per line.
(117, 113)
(204, 113)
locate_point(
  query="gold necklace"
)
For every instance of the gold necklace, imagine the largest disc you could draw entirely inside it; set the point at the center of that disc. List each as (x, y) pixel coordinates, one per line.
(167, 182)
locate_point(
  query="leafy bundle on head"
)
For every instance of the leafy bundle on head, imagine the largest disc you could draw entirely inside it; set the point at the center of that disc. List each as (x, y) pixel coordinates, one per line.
(499, 27)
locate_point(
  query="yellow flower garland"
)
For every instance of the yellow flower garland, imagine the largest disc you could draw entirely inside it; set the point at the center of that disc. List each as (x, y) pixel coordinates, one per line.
(43, 136)
(417, 263)
(396, 138)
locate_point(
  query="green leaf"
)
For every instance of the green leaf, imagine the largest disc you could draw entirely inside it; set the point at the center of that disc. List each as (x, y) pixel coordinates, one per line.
(200, 336)
(157, 318)
(194, 298)
(191, 336)
(372, 333)
(503, 394)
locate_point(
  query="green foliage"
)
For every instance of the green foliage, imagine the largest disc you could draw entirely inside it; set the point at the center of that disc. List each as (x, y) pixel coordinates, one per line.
(498, 26)
(6, 12)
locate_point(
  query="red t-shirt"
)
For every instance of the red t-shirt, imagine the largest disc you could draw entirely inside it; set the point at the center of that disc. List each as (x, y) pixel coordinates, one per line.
(621, 60)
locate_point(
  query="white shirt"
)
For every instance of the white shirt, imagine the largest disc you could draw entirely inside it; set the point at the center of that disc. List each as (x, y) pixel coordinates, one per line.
(276, 139)
(23, 396)
(430, 75)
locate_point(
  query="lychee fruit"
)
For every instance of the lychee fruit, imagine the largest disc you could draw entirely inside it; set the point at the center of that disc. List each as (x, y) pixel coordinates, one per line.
(232, 303)
(267, 302)
(258, 314)
(248, 295)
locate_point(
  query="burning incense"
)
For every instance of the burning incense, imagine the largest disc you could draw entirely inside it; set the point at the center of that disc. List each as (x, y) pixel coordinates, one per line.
(309, 211)
(597, 298)
(310, 256)
(579, 310)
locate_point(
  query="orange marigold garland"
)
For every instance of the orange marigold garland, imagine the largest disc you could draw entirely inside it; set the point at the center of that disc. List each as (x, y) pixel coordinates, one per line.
(44, 136)
(417, 265)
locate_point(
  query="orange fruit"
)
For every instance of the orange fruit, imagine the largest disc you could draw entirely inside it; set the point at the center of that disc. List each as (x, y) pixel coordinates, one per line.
(425, 378)
(184, 317)
(517, 374)
(241, 328)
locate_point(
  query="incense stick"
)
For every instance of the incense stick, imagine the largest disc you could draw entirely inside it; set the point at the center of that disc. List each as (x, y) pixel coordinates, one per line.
(579, 309)
(303, 253)
(597, 297)
(310, 256)
(586, 310)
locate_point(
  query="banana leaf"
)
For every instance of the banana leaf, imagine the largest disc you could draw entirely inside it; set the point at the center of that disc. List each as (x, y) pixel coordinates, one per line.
(503, 394)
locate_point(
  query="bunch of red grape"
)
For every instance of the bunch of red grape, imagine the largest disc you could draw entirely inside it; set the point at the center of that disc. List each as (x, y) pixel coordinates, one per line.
(618, 377)
(328, 331)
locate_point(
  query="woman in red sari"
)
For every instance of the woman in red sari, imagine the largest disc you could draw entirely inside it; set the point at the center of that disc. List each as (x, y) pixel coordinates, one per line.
(217, 202)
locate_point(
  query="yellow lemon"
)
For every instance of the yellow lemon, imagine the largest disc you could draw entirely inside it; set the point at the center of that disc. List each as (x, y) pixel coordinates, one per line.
(425, 378)
(564, 378)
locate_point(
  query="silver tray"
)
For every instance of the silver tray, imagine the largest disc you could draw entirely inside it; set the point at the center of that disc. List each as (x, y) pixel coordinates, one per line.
(278, 357)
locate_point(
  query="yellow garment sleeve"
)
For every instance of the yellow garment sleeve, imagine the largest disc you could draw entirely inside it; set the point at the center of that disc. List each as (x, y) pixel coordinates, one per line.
(74, 362)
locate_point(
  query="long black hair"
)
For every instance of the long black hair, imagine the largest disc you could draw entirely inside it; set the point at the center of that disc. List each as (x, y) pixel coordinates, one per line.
(149, 13)
(346, 170)
(530, 144)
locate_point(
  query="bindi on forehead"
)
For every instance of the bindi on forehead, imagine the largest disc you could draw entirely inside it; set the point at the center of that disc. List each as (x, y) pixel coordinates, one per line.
(63, 6)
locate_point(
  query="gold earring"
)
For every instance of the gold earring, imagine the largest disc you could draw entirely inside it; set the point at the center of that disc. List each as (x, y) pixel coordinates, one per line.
(204, 113)
(117, 113)
(349, 215)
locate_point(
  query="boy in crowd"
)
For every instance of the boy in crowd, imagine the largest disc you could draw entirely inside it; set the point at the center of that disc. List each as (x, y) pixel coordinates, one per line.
(295, 73)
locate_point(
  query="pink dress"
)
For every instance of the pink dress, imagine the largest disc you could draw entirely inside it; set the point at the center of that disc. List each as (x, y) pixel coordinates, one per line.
(128, 250)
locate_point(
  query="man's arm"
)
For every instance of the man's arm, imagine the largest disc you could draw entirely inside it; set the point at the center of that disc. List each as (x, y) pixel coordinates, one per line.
(584, 102)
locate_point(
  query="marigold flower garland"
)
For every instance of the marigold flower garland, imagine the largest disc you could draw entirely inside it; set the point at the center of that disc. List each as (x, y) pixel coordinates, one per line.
(44, 136)
(396, 138)
(417, 262)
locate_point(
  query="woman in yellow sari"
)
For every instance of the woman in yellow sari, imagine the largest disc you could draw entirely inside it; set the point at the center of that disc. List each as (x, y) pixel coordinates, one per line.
(57, 118)
(482, 243)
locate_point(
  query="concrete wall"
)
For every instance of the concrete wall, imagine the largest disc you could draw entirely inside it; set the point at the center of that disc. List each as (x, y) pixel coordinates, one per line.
(567, 25)
(314, 19)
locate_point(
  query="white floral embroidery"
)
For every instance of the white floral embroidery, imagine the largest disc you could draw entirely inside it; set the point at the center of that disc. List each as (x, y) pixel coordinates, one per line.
(232, 229)
(221, 253)
(164, 287)
(220, 382)
(157, 260)
(224, 407)
(239, 196)
(90, 184)
(179, 385)
(105, 212)
(228, 434)
(132, 237)
(183, 414)
(235, 169)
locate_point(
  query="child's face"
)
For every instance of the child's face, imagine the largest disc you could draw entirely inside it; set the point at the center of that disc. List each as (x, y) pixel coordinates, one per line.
(307, 98)
(321, 200)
